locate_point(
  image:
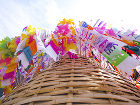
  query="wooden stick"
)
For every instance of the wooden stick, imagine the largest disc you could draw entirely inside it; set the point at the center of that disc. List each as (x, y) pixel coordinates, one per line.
(85, 51)
(80, 46)
(96, 22)
(100, 59)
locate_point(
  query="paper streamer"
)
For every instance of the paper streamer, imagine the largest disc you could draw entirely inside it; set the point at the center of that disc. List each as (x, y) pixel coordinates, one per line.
(109, 49)
(24, 60)
(50, 51)
(6, 82)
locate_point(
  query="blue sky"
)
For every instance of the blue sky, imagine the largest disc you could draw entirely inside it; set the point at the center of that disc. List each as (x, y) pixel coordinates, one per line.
(16, 14)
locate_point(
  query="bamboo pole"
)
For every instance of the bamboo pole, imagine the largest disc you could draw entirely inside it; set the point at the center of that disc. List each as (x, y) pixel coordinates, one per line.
(100, 59)
(80, 46)
(96, 23)
(85, 51)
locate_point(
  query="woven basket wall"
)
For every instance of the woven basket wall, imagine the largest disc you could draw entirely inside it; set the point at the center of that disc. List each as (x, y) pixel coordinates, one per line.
(75, 82)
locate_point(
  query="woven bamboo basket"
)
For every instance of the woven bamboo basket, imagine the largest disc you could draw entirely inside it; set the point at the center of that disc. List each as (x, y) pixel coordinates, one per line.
(75, 82)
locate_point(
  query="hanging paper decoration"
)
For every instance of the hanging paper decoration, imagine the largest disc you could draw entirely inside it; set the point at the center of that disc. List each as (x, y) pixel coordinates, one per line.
(28, 53)
(105, 47)
(6, 82)
(52, 52)
(136, 42)
(24, 60)
(132, 50)
(17, 54)
(33, 47)
(6, 61)
(1, 92)
(64, 36)
(34, 50)
(11, 67)
(21, 45)
(126, 37)
(72, 55)
(115, 57)
(2, 71)
(6, 51)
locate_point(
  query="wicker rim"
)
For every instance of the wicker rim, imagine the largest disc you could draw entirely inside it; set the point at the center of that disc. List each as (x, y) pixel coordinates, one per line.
(75, 82)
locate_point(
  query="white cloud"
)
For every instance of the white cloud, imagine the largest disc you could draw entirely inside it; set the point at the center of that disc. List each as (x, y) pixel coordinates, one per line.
(119, 13)
(15, 15)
